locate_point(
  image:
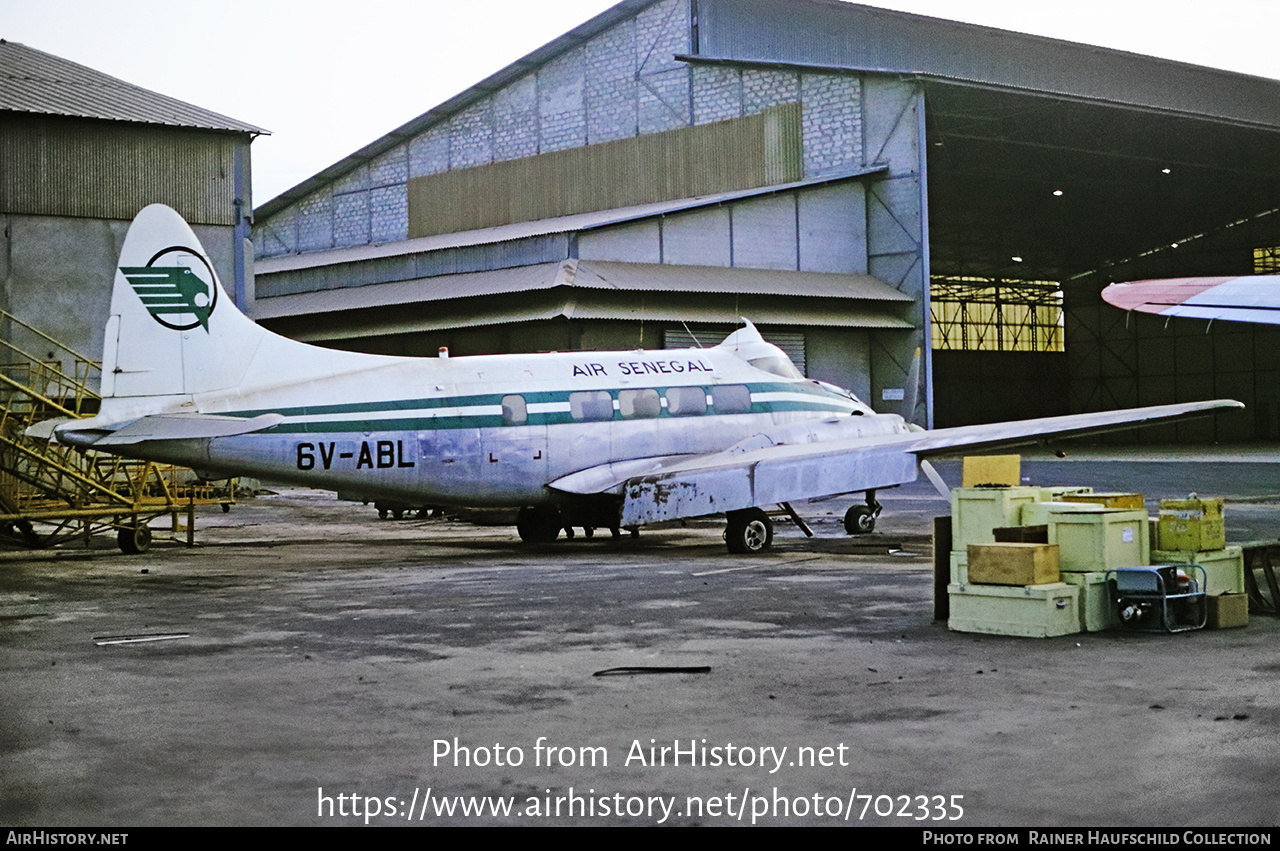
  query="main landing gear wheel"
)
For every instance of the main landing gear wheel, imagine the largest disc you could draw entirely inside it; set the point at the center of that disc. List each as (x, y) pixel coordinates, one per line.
(860, 520)
(134, 539)
(539, 524)
(749, 531)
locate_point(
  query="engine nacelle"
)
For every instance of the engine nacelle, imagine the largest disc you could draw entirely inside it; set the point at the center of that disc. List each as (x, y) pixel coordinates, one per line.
(825, 431)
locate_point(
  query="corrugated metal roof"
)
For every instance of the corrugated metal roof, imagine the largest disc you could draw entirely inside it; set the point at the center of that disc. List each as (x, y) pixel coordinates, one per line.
(647, 277)
(569, 307)
(586, 275)
(442, 288)
(37, 82)
(521, 230)
(838, 35)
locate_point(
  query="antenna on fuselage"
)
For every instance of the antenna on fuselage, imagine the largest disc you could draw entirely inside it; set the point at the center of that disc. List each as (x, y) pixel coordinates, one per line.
(696, 342)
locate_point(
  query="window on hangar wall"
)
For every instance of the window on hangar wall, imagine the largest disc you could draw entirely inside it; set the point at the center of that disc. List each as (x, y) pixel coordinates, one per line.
(993, 314)
(1266, 261)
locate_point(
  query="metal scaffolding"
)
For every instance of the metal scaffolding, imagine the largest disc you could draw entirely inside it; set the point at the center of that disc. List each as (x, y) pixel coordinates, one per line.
(50, 493)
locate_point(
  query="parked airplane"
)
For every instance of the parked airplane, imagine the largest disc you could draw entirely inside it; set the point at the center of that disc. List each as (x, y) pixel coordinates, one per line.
(608, 439)
(1252, 298)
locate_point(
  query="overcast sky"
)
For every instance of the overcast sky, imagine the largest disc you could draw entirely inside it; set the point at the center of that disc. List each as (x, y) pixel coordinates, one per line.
(328, 78)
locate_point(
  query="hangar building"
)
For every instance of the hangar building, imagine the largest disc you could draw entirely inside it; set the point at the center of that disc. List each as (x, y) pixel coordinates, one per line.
(81, 153)
(921, 210)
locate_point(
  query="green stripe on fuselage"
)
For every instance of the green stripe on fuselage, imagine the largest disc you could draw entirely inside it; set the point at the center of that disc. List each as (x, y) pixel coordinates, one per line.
(823, 401)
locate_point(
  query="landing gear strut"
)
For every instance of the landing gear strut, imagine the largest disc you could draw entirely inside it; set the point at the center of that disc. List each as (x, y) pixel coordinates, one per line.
(861, 519)
(749, 531)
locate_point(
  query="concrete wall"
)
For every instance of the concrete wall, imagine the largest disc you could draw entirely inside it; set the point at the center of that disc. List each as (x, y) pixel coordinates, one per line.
(56, 274)
(821, 229)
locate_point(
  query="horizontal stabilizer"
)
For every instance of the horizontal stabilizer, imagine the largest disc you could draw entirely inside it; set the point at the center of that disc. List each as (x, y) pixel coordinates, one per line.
(44, 429)
(164, 427)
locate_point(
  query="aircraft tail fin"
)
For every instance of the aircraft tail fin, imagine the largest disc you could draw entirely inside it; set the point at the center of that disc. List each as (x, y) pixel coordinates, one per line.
(173, 330)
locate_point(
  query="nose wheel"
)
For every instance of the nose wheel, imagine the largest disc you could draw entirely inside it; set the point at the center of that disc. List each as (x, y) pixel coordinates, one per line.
(861, 519)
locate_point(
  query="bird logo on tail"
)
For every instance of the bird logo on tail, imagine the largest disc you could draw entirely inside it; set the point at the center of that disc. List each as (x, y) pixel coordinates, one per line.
(176, 287)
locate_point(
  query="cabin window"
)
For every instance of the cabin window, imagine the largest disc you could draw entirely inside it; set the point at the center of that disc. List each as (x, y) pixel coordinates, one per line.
(639, 404)
(591, 405)
(514, 410)
(731, 399)
(686, 401)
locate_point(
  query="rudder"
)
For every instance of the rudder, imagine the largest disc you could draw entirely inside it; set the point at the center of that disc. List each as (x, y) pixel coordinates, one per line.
(173, 330)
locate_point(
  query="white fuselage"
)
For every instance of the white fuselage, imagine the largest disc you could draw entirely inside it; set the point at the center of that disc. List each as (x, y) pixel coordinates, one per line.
(496, 430)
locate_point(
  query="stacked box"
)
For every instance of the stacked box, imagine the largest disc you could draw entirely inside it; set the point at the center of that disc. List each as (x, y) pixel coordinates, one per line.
(1034, 611)
(1096, 608)
(1093, 542)
(976, 511)
(1224, 568)
(1021, 534)
(1007, 589)
(1037, 513)
(988, 470)
(1108, 500)
(1227, 611)
(1191, 525)
(1013, 564)
(1055, 494)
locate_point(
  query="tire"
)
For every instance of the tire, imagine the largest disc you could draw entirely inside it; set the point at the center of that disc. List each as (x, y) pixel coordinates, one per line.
(539, 524)
(134, 540)
(860, 520)
(750, 531)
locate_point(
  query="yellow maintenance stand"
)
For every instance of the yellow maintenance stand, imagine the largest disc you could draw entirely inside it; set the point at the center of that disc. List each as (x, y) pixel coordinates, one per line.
(50, 493)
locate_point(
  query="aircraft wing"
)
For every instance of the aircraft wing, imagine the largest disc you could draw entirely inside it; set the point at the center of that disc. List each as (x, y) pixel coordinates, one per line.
(155, 427)
(730, 481)
(1247, 299)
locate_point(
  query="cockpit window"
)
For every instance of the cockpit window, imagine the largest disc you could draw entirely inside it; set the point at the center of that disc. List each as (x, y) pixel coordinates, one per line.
(778, 365)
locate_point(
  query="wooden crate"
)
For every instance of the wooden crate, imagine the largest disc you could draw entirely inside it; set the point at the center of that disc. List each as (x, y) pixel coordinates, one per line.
(1034, 611)
(1013, 564)
(1100, 540)
(1108, 500)
(1193, 525)
(988, 470)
